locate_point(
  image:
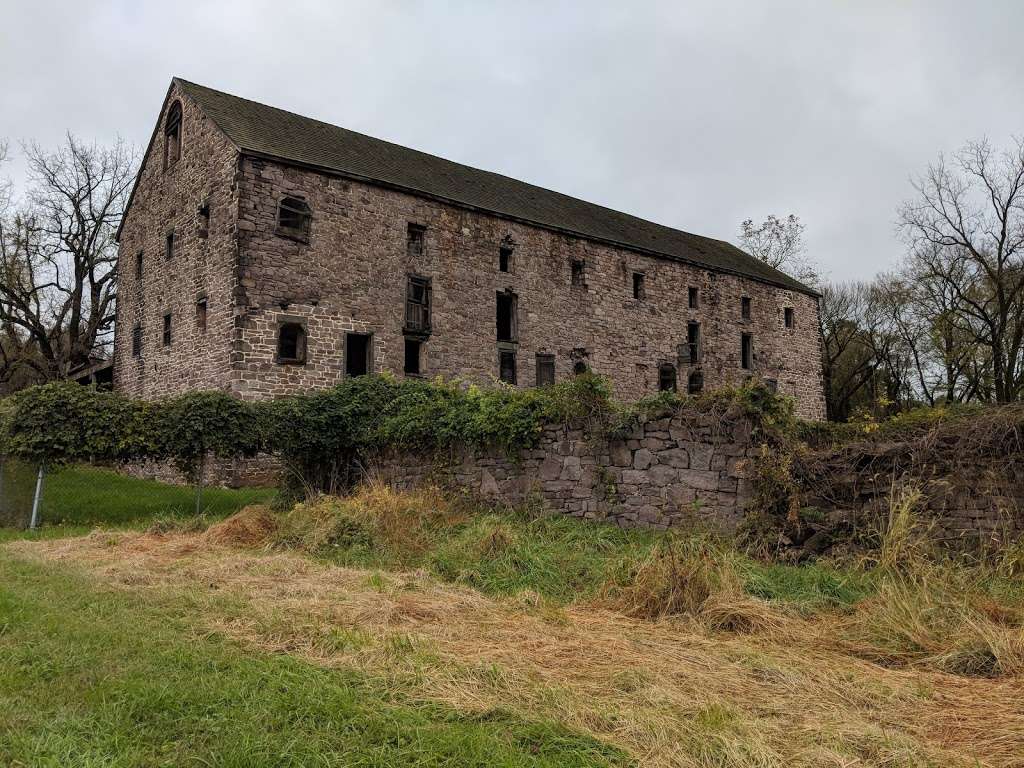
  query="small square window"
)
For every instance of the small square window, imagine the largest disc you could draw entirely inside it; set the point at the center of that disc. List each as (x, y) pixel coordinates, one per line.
(201, 315)
(745, 307)
(291, 343)
(413, 354)
(167, 330)
(137, 341)
(545, 370)
(693, 295)
(414, 240)
(638, 285)
(787, 315)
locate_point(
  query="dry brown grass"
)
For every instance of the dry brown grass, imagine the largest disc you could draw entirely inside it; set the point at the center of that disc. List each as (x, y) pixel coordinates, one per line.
(250, 527)
(671, 692)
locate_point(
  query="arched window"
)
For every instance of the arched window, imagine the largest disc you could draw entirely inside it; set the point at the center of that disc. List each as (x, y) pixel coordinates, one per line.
(293, 218)
(695, 384)
(172, 135)
(291, 343)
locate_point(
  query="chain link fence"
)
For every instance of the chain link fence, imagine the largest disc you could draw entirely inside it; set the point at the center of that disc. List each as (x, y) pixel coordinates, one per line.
(88, 495)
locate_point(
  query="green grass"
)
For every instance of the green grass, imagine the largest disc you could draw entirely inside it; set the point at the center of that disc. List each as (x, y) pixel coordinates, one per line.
(89, 496)
(91, 677)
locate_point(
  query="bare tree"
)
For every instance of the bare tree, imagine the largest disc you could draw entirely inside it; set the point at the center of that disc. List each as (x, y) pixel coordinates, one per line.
(779, 243)
(57, 253)
(966, 234)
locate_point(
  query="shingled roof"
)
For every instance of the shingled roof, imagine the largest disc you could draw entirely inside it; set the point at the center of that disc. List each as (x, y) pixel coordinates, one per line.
(265, 131)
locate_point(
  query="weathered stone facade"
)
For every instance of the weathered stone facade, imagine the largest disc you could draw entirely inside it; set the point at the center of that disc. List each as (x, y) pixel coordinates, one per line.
(689, 468)
(351, 276)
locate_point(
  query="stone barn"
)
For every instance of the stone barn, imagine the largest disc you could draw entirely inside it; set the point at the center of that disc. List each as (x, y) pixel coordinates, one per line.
(265, 253)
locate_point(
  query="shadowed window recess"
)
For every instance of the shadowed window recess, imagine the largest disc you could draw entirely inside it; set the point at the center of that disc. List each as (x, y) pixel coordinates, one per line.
(172, 135)
(545, 369)
(294, 217)
(291, 343)
(666, 377)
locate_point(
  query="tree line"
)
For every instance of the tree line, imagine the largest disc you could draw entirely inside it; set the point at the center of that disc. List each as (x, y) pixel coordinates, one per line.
(945, 326)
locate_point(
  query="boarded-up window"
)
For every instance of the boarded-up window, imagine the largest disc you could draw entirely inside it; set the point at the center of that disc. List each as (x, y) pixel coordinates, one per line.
(417, 304)
(545, 370)
(293, 218)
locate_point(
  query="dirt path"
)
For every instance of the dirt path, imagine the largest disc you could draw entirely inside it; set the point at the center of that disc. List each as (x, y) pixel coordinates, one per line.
(670, 693)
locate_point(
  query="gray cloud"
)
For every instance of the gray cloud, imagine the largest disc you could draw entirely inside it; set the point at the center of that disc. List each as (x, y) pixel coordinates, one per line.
(695, 114)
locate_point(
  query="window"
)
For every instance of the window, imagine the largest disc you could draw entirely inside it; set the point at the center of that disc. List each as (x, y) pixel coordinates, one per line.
(167, 330)
(695, 383)
(579, 273)
(201, 315)
(579, 368)
(293, 218)
(417, 305)
(413, 349)
(694, 297)
(138, 265)
(358, 350)
(638, 285)
(747, 352)
(666, 377)
(169, 246)
(787, 315)
(507, 366)
(291, 343)
(203, 225)
(505, 255)
(137, 340)
(545, 370)
(693, 342)
(506, 316)
(414, 241)
(745, 307)
(172, 135)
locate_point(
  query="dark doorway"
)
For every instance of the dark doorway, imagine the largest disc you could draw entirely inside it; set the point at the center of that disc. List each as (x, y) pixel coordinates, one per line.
(506, 318)
(357, 353)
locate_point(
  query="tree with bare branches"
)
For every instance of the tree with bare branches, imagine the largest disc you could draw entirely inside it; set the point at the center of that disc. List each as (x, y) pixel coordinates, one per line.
(779, 243)
(965, 230)
(57, 256)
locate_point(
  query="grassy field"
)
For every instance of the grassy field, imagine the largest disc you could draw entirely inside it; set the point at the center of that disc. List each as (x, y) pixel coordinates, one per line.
(412, 629)
(83, 497)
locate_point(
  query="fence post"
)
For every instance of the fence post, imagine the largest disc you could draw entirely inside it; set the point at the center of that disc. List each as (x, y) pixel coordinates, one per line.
(199, 486)
(34, 523)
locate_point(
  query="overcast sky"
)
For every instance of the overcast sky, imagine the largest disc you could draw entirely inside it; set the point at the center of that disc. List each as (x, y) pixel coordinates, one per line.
(692, 114)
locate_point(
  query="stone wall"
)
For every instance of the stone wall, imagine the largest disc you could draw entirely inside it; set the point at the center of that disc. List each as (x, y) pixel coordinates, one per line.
(202, 266)
(672, 471)
(351, 276)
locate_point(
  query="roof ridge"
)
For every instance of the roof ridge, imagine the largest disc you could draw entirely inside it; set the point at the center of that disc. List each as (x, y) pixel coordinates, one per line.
(254, 127)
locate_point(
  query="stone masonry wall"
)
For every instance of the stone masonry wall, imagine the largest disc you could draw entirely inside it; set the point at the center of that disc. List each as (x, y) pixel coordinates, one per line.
(167, 200)
(672, 471)
(351, 276)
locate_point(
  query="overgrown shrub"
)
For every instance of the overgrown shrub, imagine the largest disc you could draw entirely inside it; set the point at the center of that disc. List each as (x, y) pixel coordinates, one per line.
(195, 424)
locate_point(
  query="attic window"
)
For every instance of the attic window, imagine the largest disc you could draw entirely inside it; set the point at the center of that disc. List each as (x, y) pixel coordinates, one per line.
(293, 218)
(787, 315)
(745, 307)
(172, 135)
(291, 343)
(504, 259)
(694, 297)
